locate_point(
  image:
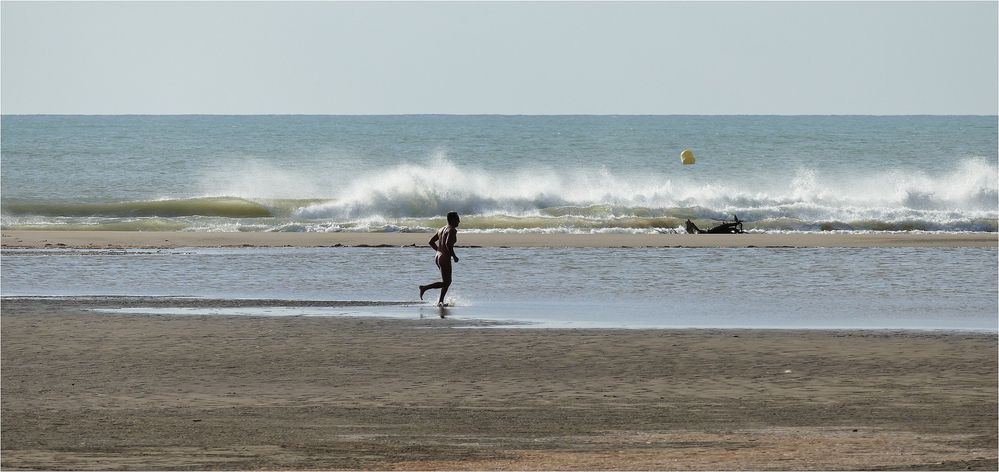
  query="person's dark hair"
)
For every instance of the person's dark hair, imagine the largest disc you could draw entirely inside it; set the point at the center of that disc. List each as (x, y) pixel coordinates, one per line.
(452, 217)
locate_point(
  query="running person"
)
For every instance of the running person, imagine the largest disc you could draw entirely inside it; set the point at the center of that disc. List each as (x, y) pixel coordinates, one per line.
(443, 242)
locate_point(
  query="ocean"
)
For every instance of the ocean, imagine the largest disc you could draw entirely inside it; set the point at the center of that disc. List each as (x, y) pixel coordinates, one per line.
(535, 174)
(518, 174)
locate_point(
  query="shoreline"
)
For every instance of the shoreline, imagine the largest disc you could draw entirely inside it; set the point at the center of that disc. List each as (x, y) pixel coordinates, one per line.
(20, 239)
(224, 393)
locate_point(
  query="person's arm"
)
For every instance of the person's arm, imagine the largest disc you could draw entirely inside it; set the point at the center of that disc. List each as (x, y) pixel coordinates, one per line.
(433, 241)
(450, 243)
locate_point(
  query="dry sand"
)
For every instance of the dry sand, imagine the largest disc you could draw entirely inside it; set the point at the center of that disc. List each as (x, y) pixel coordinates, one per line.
(82, 390)
(152, 239)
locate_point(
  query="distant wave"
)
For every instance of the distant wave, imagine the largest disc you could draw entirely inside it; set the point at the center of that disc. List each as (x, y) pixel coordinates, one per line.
(415, 198)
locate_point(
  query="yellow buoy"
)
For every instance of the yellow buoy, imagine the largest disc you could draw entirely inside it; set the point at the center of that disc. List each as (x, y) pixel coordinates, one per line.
(687, 157)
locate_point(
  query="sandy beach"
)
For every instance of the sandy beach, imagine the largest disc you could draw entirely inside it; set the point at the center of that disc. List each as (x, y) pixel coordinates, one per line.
(152, 239)
(85, 390)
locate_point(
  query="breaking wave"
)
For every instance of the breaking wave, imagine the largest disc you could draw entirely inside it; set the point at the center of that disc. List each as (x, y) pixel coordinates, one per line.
(414, 197)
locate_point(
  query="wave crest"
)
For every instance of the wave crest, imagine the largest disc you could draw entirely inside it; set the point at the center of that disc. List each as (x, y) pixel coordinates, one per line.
(415, 197)
(970, 190)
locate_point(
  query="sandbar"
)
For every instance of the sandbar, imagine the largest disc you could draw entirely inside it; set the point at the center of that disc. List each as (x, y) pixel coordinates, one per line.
(153, 239)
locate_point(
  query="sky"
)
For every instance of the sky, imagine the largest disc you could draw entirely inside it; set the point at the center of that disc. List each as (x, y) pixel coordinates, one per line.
(662, 58)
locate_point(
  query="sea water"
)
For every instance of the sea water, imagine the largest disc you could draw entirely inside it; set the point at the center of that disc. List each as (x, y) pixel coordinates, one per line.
(542, 174)
(842, 288)
(521, 174)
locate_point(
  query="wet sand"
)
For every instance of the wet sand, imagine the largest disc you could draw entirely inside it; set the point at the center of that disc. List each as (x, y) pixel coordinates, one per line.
(152, 239)
(82, 390)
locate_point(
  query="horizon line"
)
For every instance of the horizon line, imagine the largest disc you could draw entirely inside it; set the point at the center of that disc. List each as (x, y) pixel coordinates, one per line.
(505, 114)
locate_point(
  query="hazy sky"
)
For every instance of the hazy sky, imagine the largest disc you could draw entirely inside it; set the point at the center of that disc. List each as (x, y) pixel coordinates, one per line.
(506, 58)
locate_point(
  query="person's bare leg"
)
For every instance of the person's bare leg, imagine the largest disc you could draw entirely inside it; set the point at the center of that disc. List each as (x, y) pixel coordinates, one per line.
(435, 285)
(440, 301)
(424, 288)
(445, 283)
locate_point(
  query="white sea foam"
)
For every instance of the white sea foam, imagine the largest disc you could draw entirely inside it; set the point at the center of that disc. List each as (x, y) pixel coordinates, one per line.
(413, 197)
(968, 191)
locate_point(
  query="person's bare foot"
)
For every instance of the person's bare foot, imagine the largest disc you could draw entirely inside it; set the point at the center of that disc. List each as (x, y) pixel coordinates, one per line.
(423, 289)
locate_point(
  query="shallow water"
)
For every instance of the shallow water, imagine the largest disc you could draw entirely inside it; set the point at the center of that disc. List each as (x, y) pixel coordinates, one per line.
(883, 288)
